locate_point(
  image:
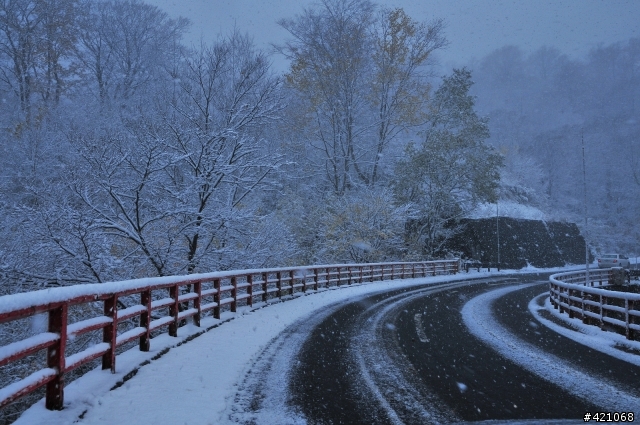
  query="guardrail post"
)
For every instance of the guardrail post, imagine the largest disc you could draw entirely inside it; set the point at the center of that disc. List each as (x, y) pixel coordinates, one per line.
(585, 308)
(304, 282)
(570, 302)
(174, 309)
(56, 358)
(234, 294)
(110, 332)
(631, 333)
(393, 271)
(264, 287)
(145, 320)
(216, 298)
(250, 290)
(291, 281)
(279, 284)
(602, 300)
(339, 276)
(626, 318)
(315, 279)
(197, 303)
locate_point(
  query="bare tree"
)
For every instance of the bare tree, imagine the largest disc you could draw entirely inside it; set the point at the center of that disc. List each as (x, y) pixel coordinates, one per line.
(120, 183)
(330, 55)
(36, 41)
(400, 90)
(19, 25)
(363, 77)
(57, 41)
(226, 97)
(125, 44)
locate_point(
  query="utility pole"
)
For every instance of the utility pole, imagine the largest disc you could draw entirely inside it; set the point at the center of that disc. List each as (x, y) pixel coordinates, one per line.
(586, 231)
(498, 232)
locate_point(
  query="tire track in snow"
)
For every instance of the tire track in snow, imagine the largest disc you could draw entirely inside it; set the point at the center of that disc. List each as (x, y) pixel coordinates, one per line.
(403, 398)
(480, 321)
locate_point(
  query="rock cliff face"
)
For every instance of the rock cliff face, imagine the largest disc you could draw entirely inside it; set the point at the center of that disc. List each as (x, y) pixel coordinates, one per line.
(522, 242)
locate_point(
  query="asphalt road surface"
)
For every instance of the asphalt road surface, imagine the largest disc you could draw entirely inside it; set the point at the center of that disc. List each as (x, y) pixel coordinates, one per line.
(406, 356)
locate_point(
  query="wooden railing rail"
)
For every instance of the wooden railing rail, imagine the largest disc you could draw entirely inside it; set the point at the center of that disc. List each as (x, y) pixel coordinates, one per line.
(161, 303)
(593, 303)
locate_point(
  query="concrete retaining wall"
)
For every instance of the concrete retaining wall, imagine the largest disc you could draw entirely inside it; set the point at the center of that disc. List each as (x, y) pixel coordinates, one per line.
(522, 242)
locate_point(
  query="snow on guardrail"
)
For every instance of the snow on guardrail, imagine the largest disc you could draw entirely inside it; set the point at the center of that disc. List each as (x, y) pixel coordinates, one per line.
(123, 312)
(614, 310)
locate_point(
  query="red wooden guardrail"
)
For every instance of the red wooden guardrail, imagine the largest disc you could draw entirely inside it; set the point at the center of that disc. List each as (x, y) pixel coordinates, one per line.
(594, 304)
(189, 296)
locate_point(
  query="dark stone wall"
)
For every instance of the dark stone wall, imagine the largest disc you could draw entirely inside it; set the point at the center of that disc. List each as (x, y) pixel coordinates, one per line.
(522, 242)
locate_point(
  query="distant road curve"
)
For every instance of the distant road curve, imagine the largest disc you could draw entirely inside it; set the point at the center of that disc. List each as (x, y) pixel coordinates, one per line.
(408, 357)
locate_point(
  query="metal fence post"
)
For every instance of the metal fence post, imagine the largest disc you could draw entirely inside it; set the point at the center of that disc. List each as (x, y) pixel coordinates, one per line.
(109, 333)
(250, 290)
(264, 286)
(602, 300)
(630, 320)
(279, 284)
(145, 320)
(56, 359)
(234, 294)
(174, 309)
(216, 298)
(197, 303)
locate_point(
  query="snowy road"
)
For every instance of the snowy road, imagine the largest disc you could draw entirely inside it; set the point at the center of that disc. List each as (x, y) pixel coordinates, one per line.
(408, 357)
(389, 352)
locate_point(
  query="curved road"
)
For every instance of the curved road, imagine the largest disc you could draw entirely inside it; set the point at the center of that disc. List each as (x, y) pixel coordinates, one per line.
(406, 356)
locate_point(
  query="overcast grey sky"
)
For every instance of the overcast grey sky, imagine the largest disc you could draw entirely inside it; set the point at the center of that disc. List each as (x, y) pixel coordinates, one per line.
(474, 27)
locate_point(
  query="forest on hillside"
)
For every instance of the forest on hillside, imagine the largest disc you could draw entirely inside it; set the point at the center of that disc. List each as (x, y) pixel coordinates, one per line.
(126, 153)
(543, 108)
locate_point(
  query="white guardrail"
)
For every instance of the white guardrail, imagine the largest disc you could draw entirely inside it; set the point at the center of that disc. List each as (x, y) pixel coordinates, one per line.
(589, 300)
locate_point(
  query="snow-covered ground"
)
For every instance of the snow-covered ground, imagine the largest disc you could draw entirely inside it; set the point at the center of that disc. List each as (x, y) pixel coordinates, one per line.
(196, 382)
(508, 209)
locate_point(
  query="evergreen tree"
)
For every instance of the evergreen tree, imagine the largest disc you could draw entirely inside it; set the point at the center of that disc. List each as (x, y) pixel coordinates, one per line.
(451, 170)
